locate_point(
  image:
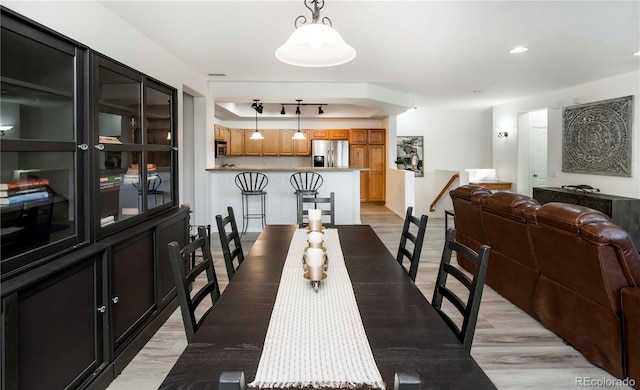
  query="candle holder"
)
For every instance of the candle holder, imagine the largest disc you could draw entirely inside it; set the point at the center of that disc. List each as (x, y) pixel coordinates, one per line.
(315, 261)
(315, 275)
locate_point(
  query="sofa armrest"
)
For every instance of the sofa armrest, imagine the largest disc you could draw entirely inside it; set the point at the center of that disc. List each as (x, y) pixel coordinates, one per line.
(630, 297)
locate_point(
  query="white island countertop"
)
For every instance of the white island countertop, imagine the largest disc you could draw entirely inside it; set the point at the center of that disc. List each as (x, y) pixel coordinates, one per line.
(281, 203)
(242, 168)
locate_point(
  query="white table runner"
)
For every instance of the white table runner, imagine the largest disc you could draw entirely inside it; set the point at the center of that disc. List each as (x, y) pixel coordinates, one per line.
(316, 339)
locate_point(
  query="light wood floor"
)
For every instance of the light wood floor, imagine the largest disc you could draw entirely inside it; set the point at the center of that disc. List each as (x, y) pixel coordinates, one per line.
(514, 350)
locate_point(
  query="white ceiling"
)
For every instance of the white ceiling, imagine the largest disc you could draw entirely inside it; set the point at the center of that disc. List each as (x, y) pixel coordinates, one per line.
(409, 53)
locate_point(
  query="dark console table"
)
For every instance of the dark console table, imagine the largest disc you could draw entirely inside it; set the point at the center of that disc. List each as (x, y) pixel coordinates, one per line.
(624, 212)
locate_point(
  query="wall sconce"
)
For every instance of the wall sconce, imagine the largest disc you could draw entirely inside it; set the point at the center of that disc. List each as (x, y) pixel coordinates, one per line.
(502, 133)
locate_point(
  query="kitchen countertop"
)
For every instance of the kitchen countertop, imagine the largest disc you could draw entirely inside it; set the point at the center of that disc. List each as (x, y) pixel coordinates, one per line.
(493, 184)
(283, 169)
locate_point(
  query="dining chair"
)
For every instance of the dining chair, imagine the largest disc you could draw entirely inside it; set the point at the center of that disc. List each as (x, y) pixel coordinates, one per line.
(419, 226)
(230, 241)
(185, 279)
(193, 235)
(306, 183)
(327, 209)
(475, 285)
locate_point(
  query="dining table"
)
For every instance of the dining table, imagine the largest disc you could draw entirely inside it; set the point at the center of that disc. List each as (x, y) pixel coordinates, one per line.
(404, 331)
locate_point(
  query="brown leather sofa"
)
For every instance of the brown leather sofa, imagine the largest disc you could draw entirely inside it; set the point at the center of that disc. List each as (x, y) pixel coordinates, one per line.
(567, 266)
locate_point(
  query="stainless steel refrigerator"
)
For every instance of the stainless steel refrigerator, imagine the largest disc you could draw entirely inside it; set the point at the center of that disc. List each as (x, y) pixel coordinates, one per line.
(334, 153)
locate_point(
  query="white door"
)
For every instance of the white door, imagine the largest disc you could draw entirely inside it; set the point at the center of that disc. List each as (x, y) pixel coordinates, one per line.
(538, 156)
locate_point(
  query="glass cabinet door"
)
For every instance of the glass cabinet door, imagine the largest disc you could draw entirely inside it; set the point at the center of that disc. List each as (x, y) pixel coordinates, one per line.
(134, 121)
(41, 129)
(159, 130)
(117, 93)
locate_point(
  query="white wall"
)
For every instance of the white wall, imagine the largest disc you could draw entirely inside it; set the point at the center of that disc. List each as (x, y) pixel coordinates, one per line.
(95, 26)
(507, 160)
(453, 140)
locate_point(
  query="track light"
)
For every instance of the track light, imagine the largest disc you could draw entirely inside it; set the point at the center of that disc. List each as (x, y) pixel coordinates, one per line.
(298, 109)
(320, 112)
(282, 111)
(257, 106)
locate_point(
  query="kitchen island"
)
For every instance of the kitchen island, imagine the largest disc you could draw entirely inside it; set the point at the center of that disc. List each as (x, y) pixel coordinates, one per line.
(280, 199)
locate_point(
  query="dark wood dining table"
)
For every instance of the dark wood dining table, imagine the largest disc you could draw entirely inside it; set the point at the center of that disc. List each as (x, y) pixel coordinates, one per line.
(404, 331)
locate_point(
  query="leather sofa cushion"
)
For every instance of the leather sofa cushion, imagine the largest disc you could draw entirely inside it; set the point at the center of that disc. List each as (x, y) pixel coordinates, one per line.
(567, 217)
(509, 204)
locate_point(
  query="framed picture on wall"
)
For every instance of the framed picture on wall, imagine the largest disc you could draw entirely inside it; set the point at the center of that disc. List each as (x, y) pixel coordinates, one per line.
(411, 150)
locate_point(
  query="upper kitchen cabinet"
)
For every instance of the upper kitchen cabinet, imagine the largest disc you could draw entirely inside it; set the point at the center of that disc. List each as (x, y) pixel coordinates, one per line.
(134, 130)
(43, 132)
(377, 137)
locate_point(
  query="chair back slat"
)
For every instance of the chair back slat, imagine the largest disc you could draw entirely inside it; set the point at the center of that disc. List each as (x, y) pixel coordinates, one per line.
(230, 242)
(180, 259)
(251, 181)
(420, 226)
(475, 285)
(307, 182)
(329, 210)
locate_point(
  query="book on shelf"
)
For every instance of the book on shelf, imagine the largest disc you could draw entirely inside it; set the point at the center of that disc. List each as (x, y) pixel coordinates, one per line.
(104, 139)
(23, 184)
(107, 220)
(8, 193)
(109, 184)
(110, 178)
(25, 197)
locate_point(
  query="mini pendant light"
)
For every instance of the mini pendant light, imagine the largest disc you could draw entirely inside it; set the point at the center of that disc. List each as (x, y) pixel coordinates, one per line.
(257, 107)
(298, 134)
(315, 44)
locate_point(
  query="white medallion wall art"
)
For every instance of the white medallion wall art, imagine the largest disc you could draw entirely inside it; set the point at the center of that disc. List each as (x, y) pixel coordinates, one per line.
(596, 137)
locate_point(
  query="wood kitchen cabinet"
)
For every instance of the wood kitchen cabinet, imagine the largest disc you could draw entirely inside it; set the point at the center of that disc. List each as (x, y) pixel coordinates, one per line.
(221, 133)
(270, 143)
(358, 137)
(319, 134)
(235, 147)
(285, 142)
(302, 147)
(358, 156)
(377, 137)
(252, 147)
(376, 173)
(372, 155)
(339, 134)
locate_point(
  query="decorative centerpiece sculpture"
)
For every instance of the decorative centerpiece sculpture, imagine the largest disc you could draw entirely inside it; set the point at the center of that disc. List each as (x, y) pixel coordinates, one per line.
(315, 254)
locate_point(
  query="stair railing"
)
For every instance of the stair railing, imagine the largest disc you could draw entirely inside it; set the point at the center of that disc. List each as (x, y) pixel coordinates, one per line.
(444, 189)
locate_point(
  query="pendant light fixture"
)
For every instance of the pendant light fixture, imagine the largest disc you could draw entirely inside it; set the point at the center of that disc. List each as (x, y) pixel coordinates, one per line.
(315, 44)
(298, 134)
(258, 108)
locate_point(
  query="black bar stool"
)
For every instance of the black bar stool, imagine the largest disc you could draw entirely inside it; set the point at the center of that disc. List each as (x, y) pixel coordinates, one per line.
(252, 184)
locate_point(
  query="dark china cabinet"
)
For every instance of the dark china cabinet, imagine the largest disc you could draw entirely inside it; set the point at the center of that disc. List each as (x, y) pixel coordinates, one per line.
(89, 202)
(42, 136)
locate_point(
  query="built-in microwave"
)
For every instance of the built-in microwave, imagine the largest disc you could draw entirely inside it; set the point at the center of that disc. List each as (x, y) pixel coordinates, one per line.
(221, 148)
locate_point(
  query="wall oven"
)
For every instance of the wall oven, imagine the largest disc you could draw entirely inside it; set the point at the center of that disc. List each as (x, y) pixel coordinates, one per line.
(221, 148)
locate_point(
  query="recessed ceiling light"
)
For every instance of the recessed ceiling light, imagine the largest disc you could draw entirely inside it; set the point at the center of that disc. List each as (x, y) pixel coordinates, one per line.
(636, 53)
(477, 92)
(217, 75)
(518, 50)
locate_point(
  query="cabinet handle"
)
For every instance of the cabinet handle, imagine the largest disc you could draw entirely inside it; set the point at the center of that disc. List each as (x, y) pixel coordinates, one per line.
(99, 146)
(174, 148)
(83, 146)
(102, 309)
(535, 175)
(115, 299)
